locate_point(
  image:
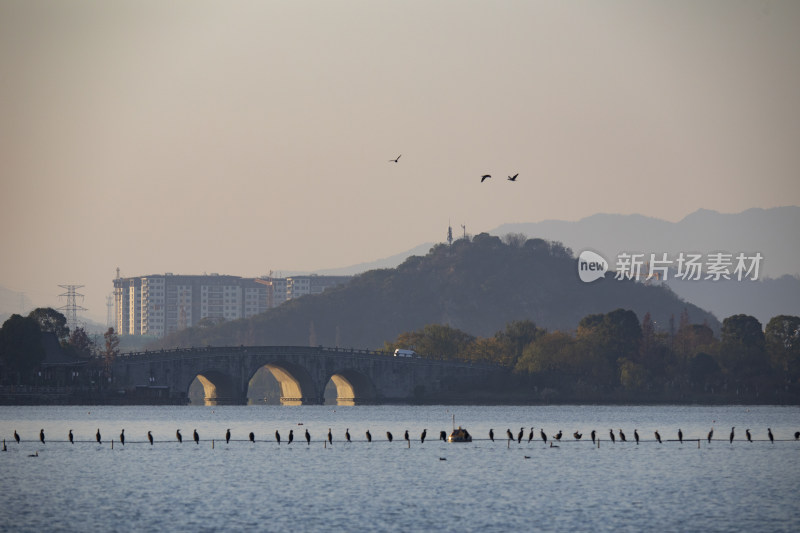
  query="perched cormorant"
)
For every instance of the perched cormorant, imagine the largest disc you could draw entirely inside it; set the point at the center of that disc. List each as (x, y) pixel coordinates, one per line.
(594, 436)
(150, 437)
(509, 434)
(308, 438)
(122, 437)
(347, 434)
(252, 437)
(443, 436)
(196, 437)
(658, 437)
(530, 435)
(291, 436)
(710, 434)
(369, 436)
(278, 437)
(422, 436)
(389, 435)
(97, 437)
(543, 435)
(491, 435)
(178, 435)
(769, 434)
(636, 435)
(16, 436)
(577, 435)
(611, 432)
(558, 435)
(797, 435)
(406, 437)
(680, 436)
(520, 434)
(41, 435)
(622, 436)
(71, 438)
(330, 436)
(747, 434)
(228, 436)
(731, 436)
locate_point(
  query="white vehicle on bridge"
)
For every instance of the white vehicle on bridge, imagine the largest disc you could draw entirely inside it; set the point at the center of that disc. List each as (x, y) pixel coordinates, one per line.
(404, 353)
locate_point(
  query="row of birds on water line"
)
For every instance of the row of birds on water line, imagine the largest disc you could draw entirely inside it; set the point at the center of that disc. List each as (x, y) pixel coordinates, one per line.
(442, 436)
(484, 177)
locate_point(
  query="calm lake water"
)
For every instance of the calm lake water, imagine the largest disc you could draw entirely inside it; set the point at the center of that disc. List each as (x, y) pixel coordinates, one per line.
(382, 486)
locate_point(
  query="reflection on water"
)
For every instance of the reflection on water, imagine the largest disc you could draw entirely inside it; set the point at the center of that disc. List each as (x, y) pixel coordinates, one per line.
(496, 486)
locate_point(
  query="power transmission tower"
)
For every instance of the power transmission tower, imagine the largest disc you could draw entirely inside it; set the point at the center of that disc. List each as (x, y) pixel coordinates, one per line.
(71, 309)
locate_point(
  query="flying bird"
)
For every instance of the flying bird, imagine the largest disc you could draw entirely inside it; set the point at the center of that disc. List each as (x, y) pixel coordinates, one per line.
(513, 178)
(395, 159)
(485, 176)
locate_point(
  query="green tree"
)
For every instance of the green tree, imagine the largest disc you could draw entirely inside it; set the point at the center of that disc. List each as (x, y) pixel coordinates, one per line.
(80, 344)
(51, 320)
(782, 337)
(111, 350)
(550, 353)
(519, 333)
(742, 349)
(21, 347)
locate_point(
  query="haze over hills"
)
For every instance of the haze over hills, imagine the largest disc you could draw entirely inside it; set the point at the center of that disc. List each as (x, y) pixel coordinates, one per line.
(767, 231)
(477, 286)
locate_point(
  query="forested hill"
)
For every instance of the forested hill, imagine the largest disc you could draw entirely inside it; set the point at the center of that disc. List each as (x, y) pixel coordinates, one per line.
(477, 286)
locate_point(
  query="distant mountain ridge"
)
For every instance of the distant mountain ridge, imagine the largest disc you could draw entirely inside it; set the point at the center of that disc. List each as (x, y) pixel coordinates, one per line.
(767, 231)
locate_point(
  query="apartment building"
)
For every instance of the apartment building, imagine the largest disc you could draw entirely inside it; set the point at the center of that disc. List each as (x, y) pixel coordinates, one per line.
(157, 305)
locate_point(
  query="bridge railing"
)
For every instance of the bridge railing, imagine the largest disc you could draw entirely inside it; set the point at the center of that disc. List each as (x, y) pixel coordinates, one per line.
(294, 350)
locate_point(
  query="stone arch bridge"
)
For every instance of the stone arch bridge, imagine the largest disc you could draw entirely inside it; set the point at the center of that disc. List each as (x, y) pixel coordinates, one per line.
(360, 376)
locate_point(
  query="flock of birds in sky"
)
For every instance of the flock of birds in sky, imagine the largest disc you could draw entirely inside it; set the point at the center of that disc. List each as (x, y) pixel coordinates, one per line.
(483, 177)
(553, 442)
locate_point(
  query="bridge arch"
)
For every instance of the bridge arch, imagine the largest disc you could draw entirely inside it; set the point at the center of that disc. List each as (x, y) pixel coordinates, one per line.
(352, 387)
(297, 386)
(218, 388)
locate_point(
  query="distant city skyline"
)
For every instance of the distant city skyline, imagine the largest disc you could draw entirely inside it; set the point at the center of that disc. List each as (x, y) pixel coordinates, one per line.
(240, 137)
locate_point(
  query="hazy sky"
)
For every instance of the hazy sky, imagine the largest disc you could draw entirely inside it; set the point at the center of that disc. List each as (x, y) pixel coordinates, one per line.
(243, 136)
